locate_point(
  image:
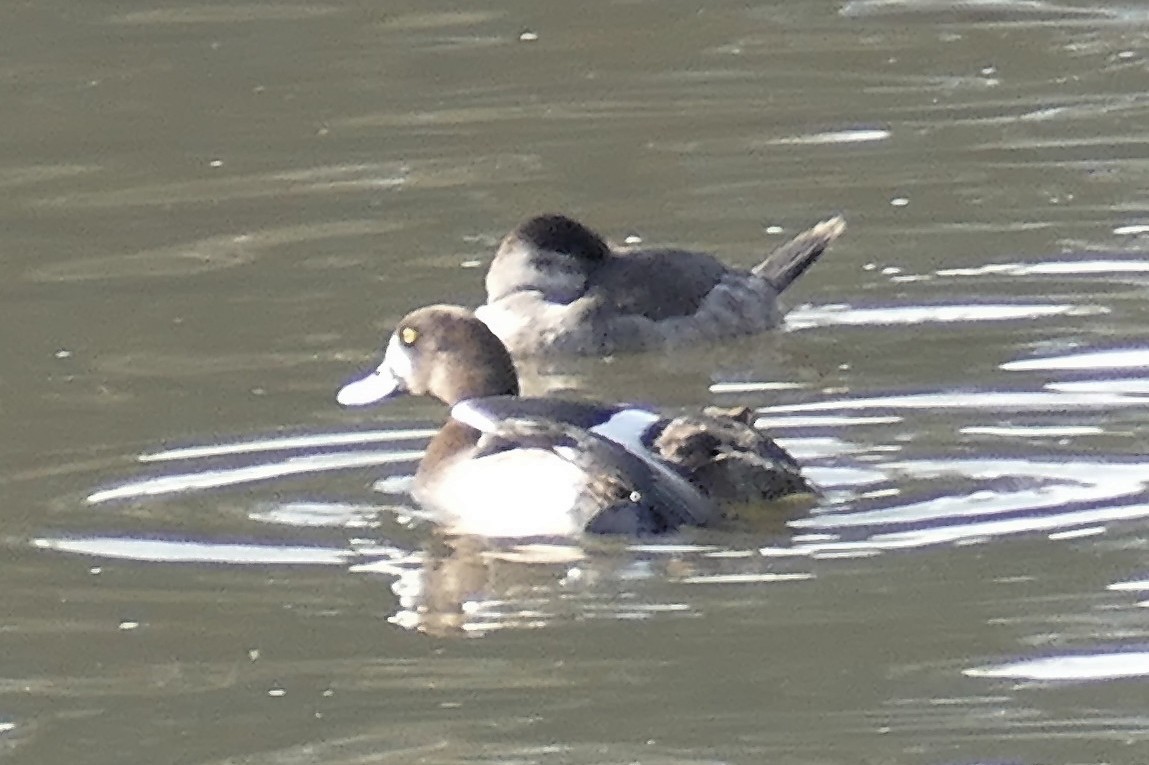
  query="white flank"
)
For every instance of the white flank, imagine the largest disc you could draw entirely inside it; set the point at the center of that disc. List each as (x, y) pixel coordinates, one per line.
(518, 493)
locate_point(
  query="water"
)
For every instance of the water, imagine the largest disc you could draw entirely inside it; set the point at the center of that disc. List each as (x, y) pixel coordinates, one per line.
(214, 214)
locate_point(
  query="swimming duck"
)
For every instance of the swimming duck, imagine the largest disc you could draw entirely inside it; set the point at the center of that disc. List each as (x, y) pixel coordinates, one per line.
(556, 287)
(510, 466)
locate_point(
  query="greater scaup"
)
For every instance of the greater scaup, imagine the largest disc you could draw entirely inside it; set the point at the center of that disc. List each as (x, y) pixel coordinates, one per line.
(507, 466)
(556, 287)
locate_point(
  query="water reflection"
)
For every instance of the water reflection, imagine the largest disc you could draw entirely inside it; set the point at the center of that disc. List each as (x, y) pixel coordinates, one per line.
(473, 586)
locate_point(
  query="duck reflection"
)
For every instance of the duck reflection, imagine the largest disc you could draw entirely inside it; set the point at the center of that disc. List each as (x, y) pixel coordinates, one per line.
(471, 586)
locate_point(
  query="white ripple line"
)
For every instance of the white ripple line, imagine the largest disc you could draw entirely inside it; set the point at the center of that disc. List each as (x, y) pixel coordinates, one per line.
(1123, 358)
(211, 479)
(966, 400)
(287, 443)
(1097, 666)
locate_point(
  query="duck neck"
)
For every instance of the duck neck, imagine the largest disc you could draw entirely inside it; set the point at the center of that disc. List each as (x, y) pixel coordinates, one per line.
(497, 378)
(463, 393)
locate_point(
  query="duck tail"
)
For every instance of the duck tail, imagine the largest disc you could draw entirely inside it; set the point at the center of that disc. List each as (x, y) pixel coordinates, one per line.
(791, 260)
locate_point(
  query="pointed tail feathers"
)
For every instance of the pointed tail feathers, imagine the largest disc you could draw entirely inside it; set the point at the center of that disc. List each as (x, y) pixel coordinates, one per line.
(791, 260)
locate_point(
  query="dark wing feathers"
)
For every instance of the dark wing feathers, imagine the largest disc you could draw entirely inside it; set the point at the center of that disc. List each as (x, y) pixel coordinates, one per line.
(694, 460)
(625, 492)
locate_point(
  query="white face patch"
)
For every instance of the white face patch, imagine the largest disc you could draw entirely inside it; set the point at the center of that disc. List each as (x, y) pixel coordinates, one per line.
(388, 379)
(397, 358)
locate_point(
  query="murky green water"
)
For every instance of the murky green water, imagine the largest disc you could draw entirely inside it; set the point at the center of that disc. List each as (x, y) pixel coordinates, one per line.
(212, 214)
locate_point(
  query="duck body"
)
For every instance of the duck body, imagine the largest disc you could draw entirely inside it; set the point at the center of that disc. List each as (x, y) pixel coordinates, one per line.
(556, 287)
(503, 486)
(510, 466)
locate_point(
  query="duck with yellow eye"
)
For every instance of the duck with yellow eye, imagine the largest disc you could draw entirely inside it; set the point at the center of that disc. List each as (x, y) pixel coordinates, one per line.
(445, 352)
(505, 466)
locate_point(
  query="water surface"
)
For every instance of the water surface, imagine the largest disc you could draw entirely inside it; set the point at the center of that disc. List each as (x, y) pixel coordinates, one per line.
(214, 213)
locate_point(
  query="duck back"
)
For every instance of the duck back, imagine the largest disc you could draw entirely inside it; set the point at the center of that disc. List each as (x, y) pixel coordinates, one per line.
(655, 284)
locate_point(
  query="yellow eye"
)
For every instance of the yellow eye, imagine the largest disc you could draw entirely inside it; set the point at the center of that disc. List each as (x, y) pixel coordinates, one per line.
(408, 335)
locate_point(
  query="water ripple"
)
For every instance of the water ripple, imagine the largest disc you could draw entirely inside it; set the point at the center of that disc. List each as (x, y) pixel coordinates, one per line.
(1122, 358)
(1006, 400)
(1084, 267)
(185, 551)
(213, 253)
(287, 443)
(217, 478)
(915, 315)
(1078, 667)
(231, 13)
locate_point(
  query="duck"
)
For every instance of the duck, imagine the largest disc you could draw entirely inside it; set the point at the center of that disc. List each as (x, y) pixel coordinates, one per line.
(510, 466)
(556, 287)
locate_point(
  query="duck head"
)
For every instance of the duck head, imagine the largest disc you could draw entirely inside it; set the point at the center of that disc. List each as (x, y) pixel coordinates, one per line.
(551, 254)
(441, 351)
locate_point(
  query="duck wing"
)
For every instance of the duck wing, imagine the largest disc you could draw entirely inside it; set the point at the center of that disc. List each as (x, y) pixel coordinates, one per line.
(655, 284)
(632, 427)
(484, 412)
(627, 492)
